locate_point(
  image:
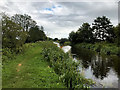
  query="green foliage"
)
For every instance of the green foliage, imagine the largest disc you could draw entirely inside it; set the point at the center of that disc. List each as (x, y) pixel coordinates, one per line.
(64, 66)
(67, 43)
(55, 39)
(15, 32)
(106, 48)
(103, 30)
(25, 21)
(117, 34)
(63, 40)
(85, 33)
(34, 71)
(73, 37)
(35, 34)
(7, 54)
(13, 36)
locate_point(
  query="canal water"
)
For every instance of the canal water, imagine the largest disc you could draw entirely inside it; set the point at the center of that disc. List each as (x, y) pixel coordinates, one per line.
(103, 69)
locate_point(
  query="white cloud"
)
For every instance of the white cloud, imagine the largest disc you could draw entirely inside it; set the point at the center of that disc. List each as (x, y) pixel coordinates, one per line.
(61, 10)
(46, 12)
(60, 18)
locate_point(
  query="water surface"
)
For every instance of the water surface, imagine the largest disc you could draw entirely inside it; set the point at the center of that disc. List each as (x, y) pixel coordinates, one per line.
(103, 69)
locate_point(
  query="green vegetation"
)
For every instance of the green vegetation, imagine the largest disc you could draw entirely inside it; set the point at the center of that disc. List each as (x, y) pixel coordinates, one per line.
(23, 64)
(42, 66)
(67, 43)
(36, 34)
(102, 36)
(64, 66)
(62, 41)
(106, 48)
(12, 35)
(19, 29)
(29, 70)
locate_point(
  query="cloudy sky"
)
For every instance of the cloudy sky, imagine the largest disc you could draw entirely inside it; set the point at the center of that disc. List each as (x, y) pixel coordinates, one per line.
(60, 18)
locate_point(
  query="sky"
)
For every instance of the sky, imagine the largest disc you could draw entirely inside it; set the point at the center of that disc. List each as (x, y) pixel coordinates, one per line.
(59, 18)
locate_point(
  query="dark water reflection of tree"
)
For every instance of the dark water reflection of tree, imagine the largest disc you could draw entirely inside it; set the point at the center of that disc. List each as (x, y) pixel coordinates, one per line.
(100, 64)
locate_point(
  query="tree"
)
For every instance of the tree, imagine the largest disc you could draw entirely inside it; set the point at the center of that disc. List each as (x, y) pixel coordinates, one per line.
(63, 40)
(13, 35)
(85, 33)
(50, 39)
(102, 29)
(24, 21)
(55, 39)
(35, 34)
(117, 34)
(73, 37)
(42, 28)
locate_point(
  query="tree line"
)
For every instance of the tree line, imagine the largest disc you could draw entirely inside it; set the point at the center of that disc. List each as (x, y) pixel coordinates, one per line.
(101, 31)
(20, 29)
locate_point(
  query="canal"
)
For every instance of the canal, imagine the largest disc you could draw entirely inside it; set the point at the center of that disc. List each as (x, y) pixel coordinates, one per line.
(101, 68)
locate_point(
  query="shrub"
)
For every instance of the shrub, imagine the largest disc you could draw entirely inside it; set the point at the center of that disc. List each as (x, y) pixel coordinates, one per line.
(7, 54)
(64, 66)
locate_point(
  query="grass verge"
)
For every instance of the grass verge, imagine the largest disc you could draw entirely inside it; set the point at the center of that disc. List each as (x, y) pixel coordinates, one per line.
(29, 70)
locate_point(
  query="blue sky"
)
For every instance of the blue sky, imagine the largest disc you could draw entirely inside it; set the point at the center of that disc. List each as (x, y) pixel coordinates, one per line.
(60, 18)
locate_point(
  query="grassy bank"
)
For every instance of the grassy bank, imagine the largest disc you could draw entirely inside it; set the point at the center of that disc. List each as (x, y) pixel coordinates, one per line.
(29, 70)
(65, 67)
(106, 48)
(42, 65)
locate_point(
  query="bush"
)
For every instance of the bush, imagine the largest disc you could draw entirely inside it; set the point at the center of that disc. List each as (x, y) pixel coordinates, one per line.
(105, 48)
(64, 66)
(7, 54)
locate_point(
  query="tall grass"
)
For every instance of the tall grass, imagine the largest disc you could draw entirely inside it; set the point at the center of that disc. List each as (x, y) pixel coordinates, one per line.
(105, 48)
(64, 66)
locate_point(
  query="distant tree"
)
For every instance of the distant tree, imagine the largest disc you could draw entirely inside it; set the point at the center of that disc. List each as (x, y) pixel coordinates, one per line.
(35, 34)
(102, 29)
(55, 39)
(13, 35)
(85, 33)
(73, 37)
(24, 21)
(63, 40)
(49, 38)
(42, 28)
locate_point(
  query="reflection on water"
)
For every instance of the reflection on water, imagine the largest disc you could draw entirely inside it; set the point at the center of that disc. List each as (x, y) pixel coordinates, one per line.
(101, 68)
(66, 48)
